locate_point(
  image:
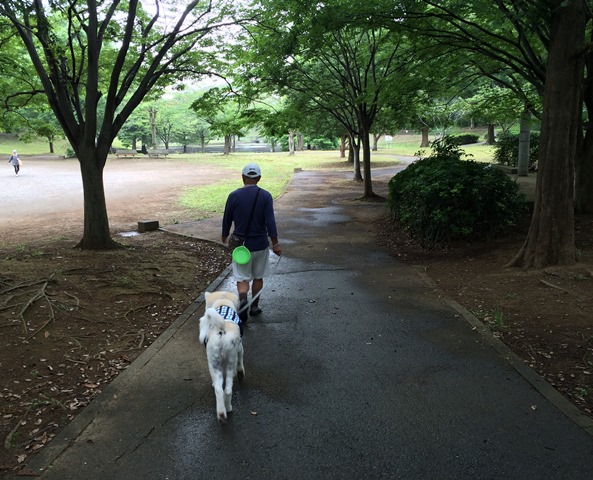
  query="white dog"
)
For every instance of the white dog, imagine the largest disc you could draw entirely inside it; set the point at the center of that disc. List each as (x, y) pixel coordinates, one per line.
(220, 332)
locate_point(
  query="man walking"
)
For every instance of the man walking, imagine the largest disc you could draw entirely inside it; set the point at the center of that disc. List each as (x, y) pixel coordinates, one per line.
(251, 210)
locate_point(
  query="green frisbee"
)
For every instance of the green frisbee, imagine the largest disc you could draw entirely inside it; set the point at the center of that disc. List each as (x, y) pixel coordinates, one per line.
(241, 255)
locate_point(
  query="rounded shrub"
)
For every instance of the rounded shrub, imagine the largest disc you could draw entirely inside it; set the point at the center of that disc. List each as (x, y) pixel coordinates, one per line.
(444, 197)
(506, 149)
(464, 139)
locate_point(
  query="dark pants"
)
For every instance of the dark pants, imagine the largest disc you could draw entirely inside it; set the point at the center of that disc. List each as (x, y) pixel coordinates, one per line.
(16, 168)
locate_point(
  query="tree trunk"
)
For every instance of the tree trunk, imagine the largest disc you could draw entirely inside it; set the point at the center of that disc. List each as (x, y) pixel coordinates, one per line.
(550, 240)
(351, 149)
(366, 163)
(300, 146)
(584, 173)
(291, 142)
(424, 142)
(524, 140)
(96, 234)
(490, 137)
(356, 162)
(227, 145)
(355, 153)
(152, 118)
(584, 159)
(342, 146)
(376, 138)
(51, 147)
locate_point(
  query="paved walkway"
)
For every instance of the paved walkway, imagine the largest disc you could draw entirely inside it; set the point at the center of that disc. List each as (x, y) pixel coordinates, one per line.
(355, 370)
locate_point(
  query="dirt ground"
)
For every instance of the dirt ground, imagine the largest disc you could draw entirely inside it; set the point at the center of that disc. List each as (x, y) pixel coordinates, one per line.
(70, 320)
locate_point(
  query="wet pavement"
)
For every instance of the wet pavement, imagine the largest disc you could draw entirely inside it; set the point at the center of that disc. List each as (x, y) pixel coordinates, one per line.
(357, 369)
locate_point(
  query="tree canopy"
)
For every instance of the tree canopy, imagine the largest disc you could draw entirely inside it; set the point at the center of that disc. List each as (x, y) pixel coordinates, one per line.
(366, 65)
(96, 61)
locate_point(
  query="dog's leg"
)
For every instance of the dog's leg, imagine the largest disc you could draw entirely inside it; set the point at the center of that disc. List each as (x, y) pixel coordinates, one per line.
(228, 390)
(217, 383)
(240, 367)
(228, 383)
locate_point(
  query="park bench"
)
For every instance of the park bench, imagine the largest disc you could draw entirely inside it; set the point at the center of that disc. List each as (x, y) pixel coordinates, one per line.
(156, 153)
(120, 152)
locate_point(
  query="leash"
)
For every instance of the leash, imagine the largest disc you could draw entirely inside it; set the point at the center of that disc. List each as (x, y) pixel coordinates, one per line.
(263, 289)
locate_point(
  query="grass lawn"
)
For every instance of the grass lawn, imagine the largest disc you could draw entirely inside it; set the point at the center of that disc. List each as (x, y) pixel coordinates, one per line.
(409, 145)
(278, 167)
(37, 146)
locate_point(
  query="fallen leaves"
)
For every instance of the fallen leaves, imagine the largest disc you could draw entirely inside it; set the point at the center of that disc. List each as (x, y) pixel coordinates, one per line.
(108, 308)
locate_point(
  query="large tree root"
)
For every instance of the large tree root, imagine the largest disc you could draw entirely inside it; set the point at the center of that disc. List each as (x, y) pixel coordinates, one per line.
(15, 293)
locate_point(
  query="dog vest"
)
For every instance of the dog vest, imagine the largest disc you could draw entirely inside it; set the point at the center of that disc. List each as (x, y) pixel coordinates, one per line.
(228, 314)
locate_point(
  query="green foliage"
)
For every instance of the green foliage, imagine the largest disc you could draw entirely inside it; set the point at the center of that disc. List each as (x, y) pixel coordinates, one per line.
(445, 197)
(321, 143)
(314, 143)
(464, 139)
(221, 109)
(500, 106)
(506, 149)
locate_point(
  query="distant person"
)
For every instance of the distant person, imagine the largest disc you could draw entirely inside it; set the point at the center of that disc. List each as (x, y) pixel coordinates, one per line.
(15, 161)
(251, 210)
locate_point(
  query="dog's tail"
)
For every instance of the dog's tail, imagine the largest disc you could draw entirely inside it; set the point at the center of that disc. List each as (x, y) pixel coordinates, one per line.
(211, 320)
(215, 320)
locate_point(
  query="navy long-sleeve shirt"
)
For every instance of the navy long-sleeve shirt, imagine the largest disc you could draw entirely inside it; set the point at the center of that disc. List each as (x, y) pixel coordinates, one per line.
(263, 224)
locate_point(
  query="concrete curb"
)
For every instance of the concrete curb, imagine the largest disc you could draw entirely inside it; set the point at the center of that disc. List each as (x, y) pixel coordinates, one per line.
(537, 382)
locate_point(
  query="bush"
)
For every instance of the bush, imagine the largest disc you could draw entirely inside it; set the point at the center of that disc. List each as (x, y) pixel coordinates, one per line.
(321, 143)
(464, 139)
(444, 197)
(313, 143)
(506, 149)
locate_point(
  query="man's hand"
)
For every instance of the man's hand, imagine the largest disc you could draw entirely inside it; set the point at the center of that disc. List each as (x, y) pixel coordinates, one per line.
(223, 239)
(277, 249)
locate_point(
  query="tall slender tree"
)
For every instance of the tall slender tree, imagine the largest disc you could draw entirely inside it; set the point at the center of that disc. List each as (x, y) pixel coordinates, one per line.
(114, 53)
(345, 69)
